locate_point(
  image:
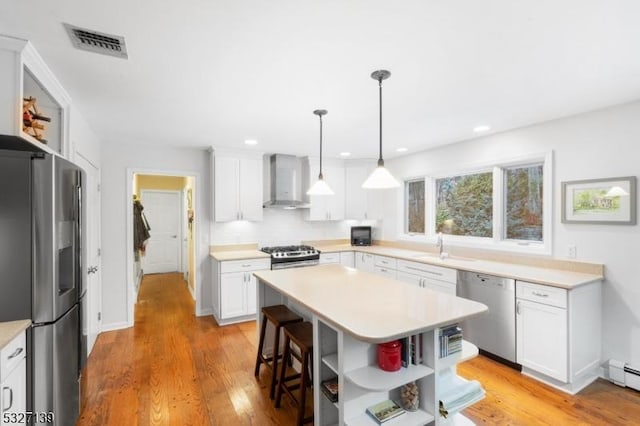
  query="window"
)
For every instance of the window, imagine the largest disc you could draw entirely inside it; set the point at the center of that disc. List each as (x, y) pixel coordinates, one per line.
(414, 196)
(523, 206)
(464, 205)
(501, 205)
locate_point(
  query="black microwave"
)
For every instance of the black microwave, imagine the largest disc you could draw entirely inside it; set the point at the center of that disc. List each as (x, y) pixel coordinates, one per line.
(360, 235)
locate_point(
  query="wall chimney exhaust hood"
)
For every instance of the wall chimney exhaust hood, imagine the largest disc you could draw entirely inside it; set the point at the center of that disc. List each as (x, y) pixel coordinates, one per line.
(285, 183)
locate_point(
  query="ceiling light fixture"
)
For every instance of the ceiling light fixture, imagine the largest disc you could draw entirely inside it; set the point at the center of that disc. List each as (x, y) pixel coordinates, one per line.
(401, 150)
(345, 154)
(251, 142)
(320, 187)
(482, 128)
(380, 178)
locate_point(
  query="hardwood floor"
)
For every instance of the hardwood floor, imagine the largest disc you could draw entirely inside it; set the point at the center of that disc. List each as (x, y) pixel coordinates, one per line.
(175, 369)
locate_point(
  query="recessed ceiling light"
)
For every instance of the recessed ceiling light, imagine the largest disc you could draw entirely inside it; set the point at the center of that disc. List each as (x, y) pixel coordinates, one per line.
(401, 150)
(251, 142)
(482, 128)
(345, 154)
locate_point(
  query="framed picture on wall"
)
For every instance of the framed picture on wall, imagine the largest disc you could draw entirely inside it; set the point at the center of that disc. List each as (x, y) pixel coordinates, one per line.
(609, 201)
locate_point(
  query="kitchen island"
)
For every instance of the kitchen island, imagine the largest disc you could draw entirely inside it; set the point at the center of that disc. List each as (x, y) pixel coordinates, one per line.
(352, 311)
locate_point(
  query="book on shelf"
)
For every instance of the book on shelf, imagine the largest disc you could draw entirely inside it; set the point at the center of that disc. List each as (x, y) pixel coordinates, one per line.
(450, 339)
(385, 410)
(330, 389)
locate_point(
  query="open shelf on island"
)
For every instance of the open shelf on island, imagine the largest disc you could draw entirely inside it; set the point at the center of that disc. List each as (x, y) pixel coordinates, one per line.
(409, 418)
(373, 378)
(469, 351)
(331, 361)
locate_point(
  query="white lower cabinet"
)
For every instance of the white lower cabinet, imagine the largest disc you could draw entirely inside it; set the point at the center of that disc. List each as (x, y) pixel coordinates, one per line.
(234, 296)
(13, 381)
(558, 337)
(428, 276)
(347, 258)
(365, 262)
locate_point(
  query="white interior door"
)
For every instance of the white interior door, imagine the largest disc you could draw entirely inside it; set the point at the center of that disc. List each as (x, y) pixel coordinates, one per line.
(92, 317)
(162, 210)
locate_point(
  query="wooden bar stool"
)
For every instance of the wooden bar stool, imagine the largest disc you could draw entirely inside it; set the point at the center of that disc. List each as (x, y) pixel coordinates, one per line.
(279, 316)
(301, 335)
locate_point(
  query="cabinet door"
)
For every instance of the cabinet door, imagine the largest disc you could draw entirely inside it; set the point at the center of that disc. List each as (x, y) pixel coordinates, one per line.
(334, 176)
(14, 392)
(541, 342)
(409, 278)
(347, 259)
(233, 302)
(250, 189)
(441, 286)
(251, 293)
(385, 272)
(226, 189)
(364, 262)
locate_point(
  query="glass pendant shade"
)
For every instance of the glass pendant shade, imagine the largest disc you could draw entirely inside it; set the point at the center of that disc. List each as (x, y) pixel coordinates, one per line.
(380, 178)
(320, 187)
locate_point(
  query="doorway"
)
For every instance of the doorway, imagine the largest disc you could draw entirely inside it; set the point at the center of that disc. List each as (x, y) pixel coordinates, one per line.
(168, 201)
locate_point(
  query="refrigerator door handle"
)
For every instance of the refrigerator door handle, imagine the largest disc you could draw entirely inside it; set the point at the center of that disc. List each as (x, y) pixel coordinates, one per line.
(10, 398)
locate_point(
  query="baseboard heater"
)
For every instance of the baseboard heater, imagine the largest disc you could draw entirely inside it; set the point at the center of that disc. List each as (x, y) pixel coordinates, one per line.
(624, 375)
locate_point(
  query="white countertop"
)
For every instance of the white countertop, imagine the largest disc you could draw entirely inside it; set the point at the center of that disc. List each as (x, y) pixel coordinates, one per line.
(224, 255)
(370, 307)
(546, 276)
(10, 329)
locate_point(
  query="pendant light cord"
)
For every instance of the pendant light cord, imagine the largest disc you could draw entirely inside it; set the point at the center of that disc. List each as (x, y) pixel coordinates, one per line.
(320, 175)
(380, 160)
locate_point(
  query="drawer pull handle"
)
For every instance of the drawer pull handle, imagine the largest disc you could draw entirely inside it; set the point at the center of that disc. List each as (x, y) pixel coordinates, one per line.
(10, 398)
(537, 293)
(15, 353)
(245, 265)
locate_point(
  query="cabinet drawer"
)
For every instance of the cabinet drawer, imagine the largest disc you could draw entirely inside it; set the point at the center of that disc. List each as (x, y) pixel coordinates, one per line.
(245, 265)
(330, 258)
(386, 262)
(552, 296)
(12, 354)
(431, 271)
(386, 272)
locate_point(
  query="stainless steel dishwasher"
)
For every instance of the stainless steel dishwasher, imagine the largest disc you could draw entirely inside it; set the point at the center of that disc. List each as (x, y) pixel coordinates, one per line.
(495, 331)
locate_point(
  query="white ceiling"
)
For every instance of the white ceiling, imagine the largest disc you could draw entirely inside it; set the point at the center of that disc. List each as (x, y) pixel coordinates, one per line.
(217, 72)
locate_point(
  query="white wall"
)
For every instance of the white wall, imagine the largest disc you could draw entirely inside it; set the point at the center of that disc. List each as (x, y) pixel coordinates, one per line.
(599, 144)
(83, 140)
(117, 158)
(281, 227)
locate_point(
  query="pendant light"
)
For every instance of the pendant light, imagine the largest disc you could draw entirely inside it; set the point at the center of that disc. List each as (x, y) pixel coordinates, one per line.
(380, 178)
(320, 187)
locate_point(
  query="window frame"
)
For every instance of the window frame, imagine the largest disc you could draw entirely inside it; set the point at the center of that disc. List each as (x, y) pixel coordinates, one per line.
(406, 206)
(498, 241)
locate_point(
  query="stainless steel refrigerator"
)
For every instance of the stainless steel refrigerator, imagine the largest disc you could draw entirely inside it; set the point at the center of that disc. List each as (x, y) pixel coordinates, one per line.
(41, 273)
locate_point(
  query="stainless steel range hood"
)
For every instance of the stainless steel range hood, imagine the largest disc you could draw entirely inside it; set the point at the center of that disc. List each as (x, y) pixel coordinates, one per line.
(285, 183)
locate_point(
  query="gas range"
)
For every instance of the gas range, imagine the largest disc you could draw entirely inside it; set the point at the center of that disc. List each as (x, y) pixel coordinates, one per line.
(292, 256)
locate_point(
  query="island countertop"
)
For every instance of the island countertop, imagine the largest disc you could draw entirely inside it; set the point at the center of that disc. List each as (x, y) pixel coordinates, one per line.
(372, 308)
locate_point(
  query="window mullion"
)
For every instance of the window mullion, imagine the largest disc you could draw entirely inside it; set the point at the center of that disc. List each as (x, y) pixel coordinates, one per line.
(498, 204)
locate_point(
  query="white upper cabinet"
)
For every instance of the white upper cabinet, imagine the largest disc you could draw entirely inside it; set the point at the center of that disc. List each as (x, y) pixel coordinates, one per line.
(360, 203)
(237, 187)
(25, 78)
(325, 207)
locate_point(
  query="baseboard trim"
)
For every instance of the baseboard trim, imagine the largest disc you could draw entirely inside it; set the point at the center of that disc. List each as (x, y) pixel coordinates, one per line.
(204, 312)
(115, 326)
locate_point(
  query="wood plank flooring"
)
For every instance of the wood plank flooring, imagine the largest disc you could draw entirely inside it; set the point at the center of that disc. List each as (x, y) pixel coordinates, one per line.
(172, 368)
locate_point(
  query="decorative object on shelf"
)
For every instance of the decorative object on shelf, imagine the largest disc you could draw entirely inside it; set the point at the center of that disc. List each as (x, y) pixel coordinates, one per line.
(385, 410)
(389, 356)
(380, 178)
(330, 389)
(410, 396)
(610, 201)
(31, 118)
(320, 187)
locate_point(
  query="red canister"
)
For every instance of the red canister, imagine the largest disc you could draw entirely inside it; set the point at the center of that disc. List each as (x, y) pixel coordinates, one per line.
(389, 358)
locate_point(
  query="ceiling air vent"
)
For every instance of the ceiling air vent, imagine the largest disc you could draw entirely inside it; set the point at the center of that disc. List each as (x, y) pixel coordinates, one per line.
(94, 41)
